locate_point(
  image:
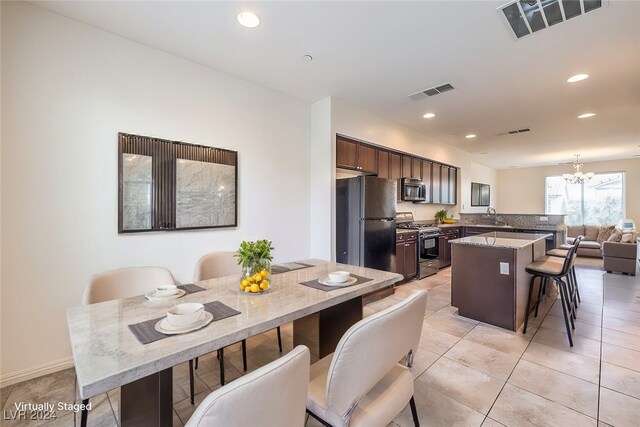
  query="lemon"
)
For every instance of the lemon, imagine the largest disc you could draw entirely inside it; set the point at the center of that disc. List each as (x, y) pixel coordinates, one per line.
(245, 282)
(257, 277)
(247, 289)
(242, 286)
(264, 273)
(249, 279)
(264, 285)
(255, 288)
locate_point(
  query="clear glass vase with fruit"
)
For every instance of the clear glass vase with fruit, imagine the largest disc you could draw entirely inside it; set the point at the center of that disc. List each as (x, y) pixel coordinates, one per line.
(255, 259)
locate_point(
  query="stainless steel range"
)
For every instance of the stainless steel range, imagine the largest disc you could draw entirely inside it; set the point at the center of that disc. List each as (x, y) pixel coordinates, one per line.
(428, 235)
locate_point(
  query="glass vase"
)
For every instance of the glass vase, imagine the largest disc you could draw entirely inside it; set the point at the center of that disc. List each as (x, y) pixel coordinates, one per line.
(256, 278)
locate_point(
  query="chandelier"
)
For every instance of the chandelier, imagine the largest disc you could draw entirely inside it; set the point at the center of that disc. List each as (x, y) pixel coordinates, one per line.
(578, 177)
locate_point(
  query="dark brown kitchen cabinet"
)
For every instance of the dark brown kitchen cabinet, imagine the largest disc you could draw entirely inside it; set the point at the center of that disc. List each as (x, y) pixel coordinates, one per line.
(444, 185)
(453, 185)
(416, 168)
(355, 155)
(407, 255)
(426, 178)
(444, 247)
(383, 164)
(436, 184)
(395, 167)
(406, 166)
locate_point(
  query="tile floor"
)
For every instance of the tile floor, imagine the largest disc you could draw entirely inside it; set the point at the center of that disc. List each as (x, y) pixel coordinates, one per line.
(466, 373)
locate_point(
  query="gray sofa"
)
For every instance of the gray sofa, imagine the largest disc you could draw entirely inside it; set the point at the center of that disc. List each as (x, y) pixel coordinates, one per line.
(590, 246)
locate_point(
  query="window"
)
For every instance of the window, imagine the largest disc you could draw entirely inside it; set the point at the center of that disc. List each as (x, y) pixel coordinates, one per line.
(599, 201)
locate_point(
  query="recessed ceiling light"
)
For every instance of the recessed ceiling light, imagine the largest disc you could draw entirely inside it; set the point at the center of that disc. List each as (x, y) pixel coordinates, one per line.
(470, 136)
(586, 115)
(308, 58)
(248, 19)
(429, 116)
(577, 78)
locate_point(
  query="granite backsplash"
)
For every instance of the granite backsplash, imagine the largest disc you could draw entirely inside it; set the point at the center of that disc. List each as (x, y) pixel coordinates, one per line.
(514, 220)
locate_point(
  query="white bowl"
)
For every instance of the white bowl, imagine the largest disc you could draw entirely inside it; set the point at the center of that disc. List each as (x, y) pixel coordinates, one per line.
(166, 290)
(339, 276)
(185, 314)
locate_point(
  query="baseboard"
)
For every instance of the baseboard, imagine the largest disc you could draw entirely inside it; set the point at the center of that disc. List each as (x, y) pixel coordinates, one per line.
(37, 371)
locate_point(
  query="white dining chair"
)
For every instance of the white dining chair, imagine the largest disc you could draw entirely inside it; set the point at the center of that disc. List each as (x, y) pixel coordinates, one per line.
(362, 383)
(212, 266)
(122, 283)
(271, 396)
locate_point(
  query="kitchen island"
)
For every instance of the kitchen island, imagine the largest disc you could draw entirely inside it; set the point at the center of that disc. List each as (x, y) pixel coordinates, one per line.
(488, 278)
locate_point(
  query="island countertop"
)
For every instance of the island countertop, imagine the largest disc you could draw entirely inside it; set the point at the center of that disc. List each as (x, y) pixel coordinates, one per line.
(501, 239)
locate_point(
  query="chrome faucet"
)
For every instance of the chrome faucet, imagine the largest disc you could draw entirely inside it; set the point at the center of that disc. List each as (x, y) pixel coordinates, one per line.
(491, 213)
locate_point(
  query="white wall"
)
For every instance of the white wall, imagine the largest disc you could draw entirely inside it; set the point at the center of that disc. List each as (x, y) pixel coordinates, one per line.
(355, 122)
(523, 191)
(67, 90)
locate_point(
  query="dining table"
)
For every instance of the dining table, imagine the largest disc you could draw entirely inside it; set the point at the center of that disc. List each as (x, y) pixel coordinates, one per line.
(107, 354)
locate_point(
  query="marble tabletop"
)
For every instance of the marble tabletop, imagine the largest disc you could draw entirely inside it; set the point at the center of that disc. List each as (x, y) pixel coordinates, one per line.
(501, 239)
(107, 355)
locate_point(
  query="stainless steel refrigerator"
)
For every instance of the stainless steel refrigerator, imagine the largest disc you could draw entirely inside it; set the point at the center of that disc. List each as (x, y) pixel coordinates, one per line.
(365, 222)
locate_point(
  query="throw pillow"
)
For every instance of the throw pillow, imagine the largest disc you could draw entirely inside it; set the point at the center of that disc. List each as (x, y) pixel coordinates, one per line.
(616, 236)
(604, 233)
(629, 237)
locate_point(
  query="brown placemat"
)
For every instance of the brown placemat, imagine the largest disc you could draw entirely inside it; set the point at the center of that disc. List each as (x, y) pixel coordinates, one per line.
(290, 266)
(146, 332)
(317, 285)
(190, 288)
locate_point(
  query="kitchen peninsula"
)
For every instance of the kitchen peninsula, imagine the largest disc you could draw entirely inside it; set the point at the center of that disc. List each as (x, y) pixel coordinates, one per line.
(488, 278)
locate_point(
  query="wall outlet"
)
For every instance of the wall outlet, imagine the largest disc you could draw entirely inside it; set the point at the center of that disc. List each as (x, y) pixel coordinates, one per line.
(504, 268)
(544, 219)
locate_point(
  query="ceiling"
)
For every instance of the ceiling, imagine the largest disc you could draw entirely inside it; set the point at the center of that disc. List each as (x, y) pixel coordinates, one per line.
(376, 54)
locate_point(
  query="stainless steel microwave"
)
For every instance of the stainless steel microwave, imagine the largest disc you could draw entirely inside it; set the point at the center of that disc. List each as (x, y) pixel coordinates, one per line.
(413, 190)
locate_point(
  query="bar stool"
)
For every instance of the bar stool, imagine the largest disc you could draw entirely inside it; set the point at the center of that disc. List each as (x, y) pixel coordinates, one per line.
(562, 252)
(549, 267)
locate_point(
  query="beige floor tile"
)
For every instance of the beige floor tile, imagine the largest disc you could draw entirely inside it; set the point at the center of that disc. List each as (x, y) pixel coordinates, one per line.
(579, 366)
(572, 392)
(518, 407)
(436, 341)
(453, 324)
(622, 305)
(4, 394)
(558, 339)
(181, 383)
(500, 339)
(473, 388)
(177, 422)
(101, 414)
(623, 294)
(488, 422)
(591, 318)
(621, 339)
(622, 325)
(52, 388)
(620, 379)
(422, 361)
(436, 409)
(590, 308)
(435, 304)
(621, 356)
(618, 409)
(583, 329)
(617, 313)
(185, 409)
(482, 358)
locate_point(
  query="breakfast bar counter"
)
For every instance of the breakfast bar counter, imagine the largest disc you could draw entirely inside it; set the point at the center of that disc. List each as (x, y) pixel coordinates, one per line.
(488, 278)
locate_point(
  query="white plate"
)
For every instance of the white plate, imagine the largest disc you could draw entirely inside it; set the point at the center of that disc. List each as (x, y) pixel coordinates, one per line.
(350, 281)
(164, 327)
(151, 296)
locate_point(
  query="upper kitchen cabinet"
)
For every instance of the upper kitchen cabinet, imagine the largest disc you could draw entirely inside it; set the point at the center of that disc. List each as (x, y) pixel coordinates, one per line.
(354, 155)
(416, 168)
(436, 184)
(395, 166)
(383, 164)
(449, 184)
(406, 166)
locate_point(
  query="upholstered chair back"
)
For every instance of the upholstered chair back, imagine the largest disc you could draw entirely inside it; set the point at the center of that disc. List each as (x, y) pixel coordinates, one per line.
(125, 283)
(371, 348)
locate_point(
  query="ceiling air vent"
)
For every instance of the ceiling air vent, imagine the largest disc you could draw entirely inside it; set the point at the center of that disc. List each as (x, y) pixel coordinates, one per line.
(516, 131)
(525, 17)
(432, 91)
